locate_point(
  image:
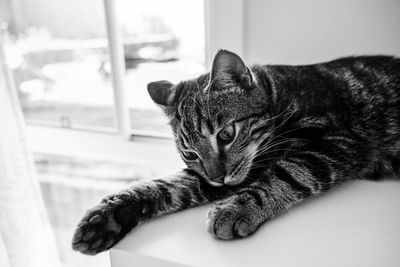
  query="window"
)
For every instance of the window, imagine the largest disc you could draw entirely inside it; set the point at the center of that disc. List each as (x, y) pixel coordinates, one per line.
(62, 68)
(163, 40)
(61, 62)
(56, 58)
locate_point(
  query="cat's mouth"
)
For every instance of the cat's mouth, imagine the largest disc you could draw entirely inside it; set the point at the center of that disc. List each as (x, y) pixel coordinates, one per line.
(240, 172)
(236, 177)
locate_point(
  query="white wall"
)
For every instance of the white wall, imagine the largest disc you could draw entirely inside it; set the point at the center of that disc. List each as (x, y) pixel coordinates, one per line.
(306, 31)
(224, 27)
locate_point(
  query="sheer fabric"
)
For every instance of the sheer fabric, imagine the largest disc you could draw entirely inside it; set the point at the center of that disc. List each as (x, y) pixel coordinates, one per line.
(26, 238)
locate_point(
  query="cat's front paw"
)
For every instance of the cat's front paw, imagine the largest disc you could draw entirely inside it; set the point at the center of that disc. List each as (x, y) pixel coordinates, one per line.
(234, 218)
(97, 231)
(107, 223)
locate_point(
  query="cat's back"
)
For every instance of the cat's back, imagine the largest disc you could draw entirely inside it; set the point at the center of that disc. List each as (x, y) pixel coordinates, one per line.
(361, 93)
(344, 81)
(371, 71)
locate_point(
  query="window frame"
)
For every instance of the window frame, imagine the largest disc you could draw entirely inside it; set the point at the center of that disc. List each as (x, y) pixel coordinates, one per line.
(216, 35)
(216, 20)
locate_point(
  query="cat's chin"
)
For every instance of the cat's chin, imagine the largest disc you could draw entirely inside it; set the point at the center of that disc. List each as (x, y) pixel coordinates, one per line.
(215, 184)
(226, 182)
(232, 182)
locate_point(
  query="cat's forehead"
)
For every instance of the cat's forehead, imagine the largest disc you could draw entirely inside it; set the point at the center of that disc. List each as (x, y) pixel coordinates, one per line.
(228, 102)
(217, 106)
(204, 108)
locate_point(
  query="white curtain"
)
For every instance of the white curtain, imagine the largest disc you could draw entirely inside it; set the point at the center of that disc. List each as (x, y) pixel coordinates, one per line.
(26, 238)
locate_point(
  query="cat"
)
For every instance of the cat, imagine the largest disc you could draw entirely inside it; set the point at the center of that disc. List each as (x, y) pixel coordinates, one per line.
(259, 140)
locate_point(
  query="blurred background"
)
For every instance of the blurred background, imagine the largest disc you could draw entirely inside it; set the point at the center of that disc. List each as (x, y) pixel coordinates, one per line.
(87, 142)
(58, 53)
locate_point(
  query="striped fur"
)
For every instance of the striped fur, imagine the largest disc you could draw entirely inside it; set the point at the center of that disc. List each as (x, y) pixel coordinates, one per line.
(300, 131)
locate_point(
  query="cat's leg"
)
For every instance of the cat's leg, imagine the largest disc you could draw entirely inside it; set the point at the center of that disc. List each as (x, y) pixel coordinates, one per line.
(108, 222)
(296, 178)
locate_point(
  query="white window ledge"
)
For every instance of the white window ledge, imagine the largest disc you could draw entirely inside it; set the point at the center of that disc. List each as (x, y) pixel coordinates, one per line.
(358, 225)
(157, 154)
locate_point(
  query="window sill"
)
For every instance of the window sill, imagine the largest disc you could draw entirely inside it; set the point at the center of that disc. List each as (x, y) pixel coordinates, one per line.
(146, 152)
(357, 225)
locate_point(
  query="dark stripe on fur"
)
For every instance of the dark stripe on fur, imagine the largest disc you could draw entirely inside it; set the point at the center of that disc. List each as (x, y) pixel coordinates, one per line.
(163, 187)
(255, 195)
(318, 168)
(284, 176)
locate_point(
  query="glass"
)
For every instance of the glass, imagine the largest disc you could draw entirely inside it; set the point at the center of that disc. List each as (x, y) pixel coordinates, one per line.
(163, 40)
(57, 51)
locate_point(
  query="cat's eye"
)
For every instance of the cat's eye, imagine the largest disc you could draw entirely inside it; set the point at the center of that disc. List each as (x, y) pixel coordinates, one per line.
(226, 135)
(189, 155)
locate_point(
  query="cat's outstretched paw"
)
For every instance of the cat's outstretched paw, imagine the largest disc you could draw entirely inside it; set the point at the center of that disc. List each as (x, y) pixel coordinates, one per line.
(97, 231)
(107, 223)
(235, 217)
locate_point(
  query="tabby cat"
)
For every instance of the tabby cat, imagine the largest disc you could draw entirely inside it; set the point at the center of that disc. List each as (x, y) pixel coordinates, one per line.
(260, 140)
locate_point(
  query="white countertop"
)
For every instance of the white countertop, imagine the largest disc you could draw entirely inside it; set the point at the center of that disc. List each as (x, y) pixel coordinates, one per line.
(357, 225)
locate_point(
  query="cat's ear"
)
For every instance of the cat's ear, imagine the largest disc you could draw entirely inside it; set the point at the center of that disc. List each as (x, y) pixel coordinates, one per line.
(162, 92)
(228, 64)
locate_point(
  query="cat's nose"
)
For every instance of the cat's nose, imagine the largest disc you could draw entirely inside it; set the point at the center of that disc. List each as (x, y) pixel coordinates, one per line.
(215, 171)
(217, 175)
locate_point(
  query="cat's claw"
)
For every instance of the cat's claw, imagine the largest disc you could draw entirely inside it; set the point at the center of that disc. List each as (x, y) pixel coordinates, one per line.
(97, 231)
(229, 220)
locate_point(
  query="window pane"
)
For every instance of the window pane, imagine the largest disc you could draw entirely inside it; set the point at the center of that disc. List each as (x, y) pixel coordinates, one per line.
(58, 53)
(163, 40)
